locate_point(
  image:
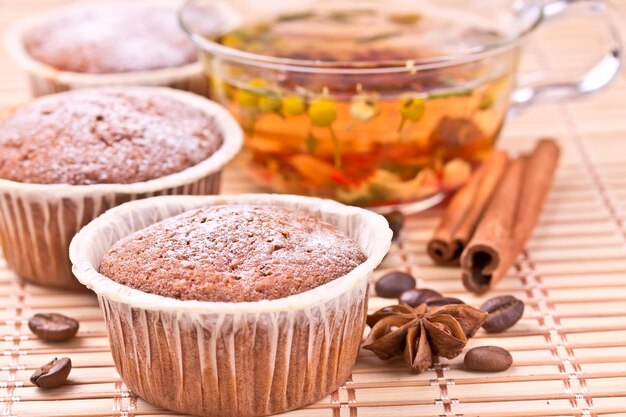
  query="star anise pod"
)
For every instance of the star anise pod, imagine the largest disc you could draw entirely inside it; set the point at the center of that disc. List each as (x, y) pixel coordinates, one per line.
(420, 334)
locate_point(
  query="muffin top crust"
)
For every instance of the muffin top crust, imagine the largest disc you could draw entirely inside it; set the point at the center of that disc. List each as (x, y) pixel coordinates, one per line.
(108, 39)
(232, 253)
(104, 136)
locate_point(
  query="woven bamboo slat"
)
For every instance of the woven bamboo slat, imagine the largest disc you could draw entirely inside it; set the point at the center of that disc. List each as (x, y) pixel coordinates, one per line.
(569, 349)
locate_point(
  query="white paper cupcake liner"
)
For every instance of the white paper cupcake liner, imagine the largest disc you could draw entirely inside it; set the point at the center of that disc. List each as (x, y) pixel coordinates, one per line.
(37, 221)
(232, 359)
(45, 79)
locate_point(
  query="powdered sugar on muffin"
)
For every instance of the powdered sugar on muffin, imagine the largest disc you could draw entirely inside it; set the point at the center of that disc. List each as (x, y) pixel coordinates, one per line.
(232, 254)
(101, 136)
(116, 38)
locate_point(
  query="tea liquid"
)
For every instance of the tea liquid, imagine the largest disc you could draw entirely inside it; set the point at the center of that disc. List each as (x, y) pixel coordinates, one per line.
(369, 136)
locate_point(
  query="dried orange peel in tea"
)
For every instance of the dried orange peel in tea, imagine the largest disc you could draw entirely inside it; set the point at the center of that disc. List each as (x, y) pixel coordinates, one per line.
(420, 333)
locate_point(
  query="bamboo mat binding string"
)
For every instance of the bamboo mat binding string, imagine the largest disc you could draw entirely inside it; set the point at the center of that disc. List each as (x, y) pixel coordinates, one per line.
(569, 348)
(376, 388)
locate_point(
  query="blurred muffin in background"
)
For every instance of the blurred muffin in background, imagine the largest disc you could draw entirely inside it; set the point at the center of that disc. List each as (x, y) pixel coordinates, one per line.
(99, 45)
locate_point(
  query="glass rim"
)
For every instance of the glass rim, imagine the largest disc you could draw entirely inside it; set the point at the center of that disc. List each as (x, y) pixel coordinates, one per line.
(356, 67)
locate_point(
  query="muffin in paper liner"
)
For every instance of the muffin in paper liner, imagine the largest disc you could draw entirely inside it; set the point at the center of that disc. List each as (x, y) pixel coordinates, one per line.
(232, 359)
(38, 221)
(45, 79)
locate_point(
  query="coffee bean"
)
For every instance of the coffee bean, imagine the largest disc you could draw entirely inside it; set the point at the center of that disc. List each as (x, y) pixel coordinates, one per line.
(396, 222)
(393, 284)
(443, 301)
(415, 297)
(53, 374)
(504, 312)
(488, 358)
(53, 327)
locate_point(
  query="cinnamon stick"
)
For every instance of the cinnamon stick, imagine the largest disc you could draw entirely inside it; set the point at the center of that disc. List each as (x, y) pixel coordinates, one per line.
(464, 211)
(510, 217)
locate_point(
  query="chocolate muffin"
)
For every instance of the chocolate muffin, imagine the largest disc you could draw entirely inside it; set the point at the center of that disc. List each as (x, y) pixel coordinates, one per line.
(66, 158)
(232, 254)
(104, 136)
(305, 263)
(109, 39)
(98, 45)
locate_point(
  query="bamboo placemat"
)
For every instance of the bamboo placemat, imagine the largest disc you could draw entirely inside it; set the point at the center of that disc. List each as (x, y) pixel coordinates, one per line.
(569, 348)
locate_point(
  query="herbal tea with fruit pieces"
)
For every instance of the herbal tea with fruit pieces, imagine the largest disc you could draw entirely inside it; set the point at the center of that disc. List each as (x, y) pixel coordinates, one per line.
(369, 136)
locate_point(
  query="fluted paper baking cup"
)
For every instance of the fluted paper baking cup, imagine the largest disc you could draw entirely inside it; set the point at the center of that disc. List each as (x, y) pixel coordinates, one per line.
(232, 359)
(45, 79)
(37, 221)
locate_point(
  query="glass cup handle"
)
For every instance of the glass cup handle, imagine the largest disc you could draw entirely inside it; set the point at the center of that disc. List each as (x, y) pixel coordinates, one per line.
(595, 79)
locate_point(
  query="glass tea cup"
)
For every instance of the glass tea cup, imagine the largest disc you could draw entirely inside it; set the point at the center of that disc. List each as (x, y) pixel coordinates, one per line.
(377, 103)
